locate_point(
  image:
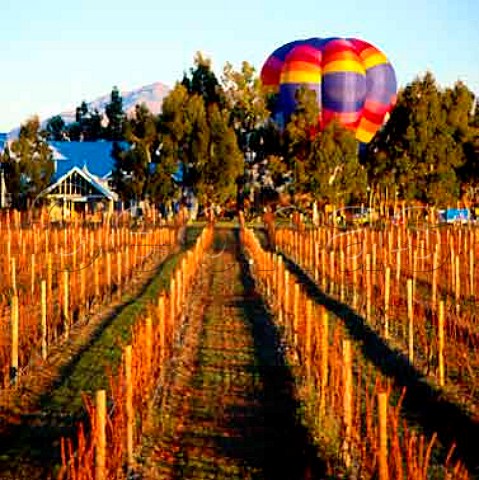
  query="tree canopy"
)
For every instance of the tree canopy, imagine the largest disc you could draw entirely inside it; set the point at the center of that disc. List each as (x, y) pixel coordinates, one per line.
(424, 145)
(28, 163)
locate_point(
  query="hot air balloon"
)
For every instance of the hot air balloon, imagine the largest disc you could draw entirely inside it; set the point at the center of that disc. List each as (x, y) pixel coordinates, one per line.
(353, 80)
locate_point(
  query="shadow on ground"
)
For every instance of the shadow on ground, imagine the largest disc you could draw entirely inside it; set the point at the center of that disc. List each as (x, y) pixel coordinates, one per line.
(423, 404)
(268, 434)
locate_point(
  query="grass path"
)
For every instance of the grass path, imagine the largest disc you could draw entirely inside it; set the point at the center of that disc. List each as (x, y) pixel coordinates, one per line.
(232, 410)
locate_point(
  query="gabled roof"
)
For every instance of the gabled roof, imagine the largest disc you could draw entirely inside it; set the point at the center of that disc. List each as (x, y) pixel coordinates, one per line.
(96, 156)
(87, 176)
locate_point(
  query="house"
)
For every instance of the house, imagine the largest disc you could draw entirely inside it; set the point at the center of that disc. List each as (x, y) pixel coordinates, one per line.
(81, 179)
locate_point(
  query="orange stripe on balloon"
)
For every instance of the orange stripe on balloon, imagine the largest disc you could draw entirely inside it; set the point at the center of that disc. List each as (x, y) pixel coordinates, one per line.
(343, 117)
(341, 55)
(367, 125)
(367, 51)
(301, 65)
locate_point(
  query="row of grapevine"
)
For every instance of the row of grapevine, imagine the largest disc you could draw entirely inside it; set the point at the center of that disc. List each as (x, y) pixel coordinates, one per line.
(413, 298)
(117, 420)
(55, 278)
(349, 405)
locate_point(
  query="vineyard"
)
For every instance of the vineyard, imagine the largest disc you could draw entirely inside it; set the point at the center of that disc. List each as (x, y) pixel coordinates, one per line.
(172, 351)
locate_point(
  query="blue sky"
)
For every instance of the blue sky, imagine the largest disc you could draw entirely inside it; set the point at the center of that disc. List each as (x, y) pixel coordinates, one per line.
(54, 54)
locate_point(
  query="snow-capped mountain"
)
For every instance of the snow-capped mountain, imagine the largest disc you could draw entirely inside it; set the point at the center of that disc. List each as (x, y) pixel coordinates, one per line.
(151, 95)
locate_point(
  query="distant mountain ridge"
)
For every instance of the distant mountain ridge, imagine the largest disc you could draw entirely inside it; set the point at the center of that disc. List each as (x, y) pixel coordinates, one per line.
(151, 95)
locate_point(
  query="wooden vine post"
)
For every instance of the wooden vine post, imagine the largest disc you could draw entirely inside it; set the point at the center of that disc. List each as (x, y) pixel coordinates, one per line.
(347, 400)
(32, 273)
(410, 315)
(149, 345)
(471, 271)
(387, 286)
(161, 324)
(457, 282)
(440, 343)
(14, 340)
(308, 339)
(44, 319)
(369, 291)
(119, 273)
(96, 273)
(100, 436)
(383, 436)
(324, 350)
(435, 268)
(14, 275)
(108, 274)
(296, 296)
(66, 315)
(129, 405)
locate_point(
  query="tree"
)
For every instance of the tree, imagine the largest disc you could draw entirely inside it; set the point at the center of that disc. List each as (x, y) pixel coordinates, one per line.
(56, 128)
(142, 171)
(324, 164)
(133, 167)
(421, 148)
(468, 173)
(247, 115)
(216, 177)
(298, 136)
(87, 125)
(475, 115)
(245, 101)
(203, 81)
(29, 161)
(333, 165)
(196, 130)
(115, 115)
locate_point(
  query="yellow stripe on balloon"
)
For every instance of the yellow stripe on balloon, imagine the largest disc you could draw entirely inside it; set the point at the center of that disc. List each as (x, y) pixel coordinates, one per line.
(377, 58)
(364, 136)
(298, 76)
(344, 66)
(366, 130)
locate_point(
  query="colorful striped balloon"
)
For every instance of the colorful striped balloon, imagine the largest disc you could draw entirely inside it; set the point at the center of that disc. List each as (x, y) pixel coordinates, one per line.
(353, 80)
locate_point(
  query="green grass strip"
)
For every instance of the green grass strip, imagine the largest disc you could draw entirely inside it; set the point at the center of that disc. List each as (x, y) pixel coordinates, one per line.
(88, 372)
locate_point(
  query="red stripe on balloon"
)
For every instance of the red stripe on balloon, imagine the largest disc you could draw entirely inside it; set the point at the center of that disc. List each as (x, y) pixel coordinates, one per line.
(271, 71)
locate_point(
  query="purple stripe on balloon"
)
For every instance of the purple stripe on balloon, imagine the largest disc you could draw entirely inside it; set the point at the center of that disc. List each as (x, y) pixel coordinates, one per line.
(343, 91)
(381, 83)
(287, 95)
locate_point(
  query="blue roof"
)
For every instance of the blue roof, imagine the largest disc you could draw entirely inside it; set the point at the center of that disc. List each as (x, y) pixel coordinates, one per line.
(3, 141)
(95, 155)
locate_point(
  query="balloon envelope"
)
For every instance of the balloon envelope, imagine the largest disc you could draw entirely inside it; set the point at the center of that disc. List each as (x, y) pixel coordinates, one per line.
(354, 82)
